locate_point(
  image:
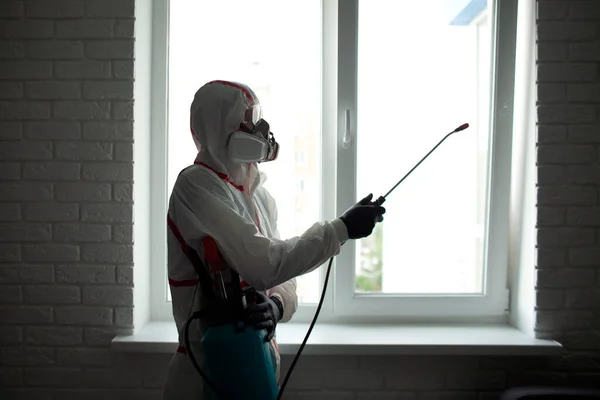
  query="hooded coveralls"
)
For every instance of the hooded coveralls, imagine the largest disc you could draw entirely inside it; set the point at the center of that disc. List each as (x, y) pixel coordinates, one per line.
(226, 201)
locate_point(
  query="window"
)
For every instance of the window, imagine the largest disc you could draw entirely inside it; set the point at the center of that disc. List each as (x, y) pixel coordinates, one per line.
(357, 92)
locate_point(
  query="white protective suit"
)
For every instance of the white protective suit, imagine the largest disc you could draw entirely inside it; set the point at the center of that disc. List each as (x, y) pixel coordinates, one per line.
(227, 201)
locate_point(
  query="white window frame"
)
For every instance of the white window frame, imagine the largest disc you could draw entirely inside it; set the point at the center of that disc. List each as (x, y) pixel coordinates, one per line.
(492, 304)
(160, 307)
(339, 81)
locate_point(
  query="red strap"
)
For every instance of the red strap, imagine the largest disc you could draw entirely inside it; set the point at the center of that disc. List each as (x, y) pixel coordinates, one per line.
(211, 254)
(185, 248)
(182, 350)
(214, 259)
(176, 232)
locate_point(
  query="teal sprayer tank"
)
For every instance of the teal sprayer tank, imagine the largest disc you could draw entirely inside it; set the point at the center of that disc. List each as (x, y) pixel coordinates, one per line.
(239, 362)
(237, 358)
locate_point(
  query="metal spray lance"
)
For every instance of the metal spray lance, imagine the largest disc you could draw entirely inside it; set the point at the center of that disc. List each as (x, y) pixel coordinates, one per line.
(382, 199)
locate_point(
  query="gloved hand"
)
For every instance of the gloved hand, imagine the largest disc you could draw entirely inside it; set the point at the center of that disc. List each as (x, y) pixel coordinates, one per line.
(264, 313)
(360, 219)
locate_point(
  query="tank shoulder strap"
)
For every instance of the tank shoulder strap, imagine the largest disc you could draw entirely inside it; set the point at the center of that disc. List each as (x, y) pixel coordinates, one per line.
(213, 257)
(195, 260)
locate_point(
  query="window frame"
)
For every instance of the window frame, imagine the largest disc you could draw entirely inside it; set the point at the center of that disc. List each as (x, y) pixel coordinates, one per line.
(339, 21)
(492, 305)
(160, 306)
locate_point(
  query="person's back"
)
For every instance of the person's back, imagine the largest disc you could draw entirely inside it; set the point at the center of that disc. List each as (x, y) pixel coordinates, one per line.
(220, 209)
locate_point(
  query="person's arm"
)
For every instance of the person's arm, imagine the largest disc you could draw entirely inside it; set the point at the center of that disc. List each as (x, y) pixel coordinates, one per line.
(262, 262)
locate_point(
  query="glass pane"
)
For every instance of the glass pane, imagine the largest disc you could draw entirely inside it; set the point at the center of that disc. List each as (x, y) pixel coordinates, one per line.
(275, 48)
(423, 70)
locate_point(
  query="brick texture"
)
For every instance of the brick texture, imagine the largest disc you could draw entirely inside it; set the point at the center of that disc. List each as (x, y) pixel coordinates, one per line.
(66, 123)
(66, 279)
(568, 179)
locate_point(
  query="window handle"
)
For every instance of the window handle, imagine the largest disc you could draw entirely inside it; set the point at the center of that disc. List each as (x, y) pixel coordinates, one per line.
(347, 131)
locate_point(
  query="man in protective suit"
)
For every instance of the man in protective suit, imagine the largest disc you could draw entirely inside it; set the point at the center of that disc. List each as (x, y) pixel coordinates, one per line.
(219, 206)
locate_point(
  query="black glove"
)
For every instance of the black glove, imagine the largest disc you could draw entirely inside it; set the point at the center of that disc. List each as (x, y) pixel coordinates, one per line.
(264, 313)
(360, 219)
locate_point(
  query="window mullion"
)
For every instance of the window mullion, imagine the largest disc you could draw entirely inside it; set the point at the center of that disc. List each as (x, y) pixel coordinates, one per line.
(346, 141)
(501, 119)
(160, 307)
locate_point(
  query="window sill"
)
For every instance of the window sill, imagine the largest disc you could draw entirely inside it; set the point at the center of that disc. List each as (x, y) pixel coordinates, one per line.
(355, 339)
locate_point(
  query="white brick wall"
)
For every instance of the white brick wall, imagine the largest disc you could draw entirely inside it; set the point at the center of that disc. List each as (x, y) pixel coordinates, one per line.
(568, 264)
(66, 131)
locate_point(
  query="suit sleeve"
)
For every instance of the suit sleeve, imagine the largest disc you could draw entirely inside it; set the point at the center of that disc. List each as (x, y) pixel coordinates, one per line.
(262, 262)
(285, 292)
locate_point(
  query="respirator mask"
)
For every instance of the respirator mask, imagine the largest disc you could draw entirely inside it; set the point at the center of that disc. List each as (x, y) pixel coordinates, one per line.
(253, 141)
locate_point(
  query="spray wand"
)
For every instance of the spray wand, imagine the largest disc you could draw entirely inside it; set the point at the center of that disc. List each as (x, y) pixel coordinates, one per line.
(379, 201)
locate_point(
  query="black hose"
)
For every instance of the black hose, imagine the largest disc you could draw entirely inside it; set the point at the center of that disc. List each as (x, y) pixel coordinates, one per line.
(312, 325)
(218, 393)
(186, 338)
